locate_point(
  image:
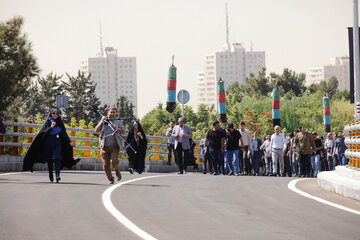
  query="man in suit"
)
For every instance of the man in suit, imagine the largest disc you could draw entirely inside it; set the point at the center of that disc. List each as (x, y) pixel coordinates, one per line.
(256, 153)
(182, 133)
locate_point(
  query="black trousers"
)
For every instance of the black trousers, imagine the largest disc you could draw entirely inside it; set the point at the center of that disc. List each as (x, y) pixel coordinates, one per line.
(207, 161)
(182, 162)
(244, 162)
(305, 164)
(170, 148)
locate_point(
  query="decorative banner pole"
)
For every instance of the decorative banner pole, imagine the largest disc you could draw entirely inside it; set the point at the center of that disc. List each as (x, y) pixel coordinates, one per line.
(276, 107)
(171, 88)
(326, 113)
(221, 100)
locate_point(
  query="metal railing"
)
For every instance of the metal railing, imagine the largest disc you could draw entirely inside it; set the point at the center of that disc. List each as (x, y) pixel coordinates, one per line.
(16, 144)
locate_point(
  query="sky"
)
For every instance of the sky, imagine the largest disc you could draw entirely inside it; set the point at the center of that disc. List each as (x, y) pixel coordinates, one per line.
(295, 34)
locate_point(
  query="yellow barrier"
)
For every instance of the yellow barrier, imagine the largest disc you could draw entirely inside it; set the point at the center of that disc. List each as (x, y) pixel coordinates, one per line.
(72, 133)
(197, 152)
(15, 150)
(87, 143)
(30, 130)
(156, 149)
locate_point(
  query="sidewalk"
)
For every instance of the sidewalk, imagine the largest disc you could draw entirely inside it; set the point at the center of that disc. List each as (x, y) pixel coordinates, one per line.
(343, 181)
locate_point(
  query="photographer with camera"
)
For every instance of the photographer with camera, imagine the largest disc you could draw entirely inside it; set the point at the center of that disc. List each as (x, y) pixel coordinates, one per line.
(171, 141)
(110, 143)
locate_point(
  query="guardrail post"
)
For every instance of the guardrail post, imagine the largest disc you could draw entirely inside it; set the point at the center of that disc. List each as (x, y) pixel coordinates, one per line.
(72, 133)
(15, 150)
(2, 139)
(30, 130)
(156, 149)
(197, 152)
(87, 143)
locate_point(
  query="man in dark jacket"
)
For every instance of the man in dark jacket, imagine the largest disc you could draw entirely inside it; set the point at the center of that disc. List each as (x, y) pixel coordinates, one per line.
(256, 153)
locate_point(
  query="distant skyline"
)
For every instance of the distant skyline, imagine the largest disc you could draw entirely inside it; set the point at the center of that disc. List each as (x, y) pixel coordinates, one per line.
(295, 34)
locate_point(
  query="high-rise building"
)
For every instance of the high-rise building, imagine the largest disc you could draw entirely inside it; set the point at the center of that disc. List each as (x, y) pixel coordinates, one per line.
(233, 64)
(338, 67)
(115, 76)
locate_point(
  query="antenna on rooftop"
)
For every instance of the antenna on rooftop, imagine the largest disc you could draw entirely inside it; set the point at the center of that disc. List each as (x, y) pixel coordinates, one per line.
(101, 45)
(251, 46)
(227, 26)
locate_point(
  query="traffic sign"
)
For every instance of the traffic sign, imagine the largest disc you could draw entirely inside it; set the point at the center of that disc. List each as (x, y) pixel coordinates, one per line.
(183, 96)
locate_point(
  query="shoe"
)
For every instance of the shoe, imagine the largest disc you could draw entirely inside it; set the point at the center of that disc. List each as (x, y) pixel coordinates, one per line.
(215, 174)
(180, 172)
(256, 174)
(119, 177)
(51, 177)
(211, 172)
(58, 179)
(237, 174)
(168, 163)
(266, 174)
(185, 172)
(204, 172)
(230, 173)
(131, 170)
(112, 181)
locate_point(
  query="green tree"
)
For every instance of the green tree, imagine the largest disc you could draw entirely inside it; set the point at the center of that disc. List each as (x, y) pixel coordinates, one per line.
(257, 85)
(125, 111)
(289, 80)
(82, 98)
(17, 63)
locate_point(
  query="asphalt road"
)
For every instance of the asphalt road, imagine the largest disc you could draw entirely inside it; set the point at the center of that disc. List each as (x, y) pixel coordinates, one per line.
(191, 206)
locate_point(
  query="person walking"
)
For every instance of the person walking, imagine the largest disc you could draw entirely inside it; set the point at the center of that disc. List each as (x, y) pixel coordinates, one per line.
(340, 148)
(206, 157)
(256, 153)
(294, 151)
(110, 143)
(306, 148)
(171, 141)
(137, 140)
(215, 140)
(182, 134)
(329, 147)
(267, 152)
(278, 148)
(315, 159)
(51, 145)
(233, 137)
(243, 153)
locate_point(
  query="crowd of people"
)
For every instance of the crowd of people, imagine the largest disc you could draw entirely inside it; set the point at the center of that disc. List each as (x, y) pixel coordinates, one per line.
(227, 151)
(238, 152)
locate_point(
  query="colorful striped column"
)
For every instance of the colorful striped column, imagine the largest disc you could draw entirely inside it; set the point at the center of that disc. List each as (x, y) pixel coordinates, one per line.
(326, 113)
(221, 100)
(276, 107)
(171, 89)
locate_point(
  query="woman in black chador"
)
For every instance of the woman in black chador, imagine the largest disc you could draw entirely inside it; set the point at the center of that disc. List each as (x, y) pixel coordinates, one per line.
(137, 140)
(51, 145)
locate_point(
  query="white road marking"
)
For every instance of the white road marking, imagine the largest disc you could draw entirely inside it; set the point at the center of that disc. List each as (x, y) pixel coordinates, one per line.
(13, 173)
(292, 187)
(106, 198)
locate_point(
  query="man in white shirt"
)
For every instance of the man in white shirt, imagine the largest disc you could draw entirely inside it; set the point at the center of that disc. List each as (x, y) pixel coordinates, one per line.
(243, 154)
(278, 148)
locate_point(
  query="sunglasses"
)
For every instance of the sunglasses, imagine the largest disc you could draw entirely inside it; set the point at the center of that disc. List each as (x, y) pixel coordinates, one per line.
(54, 113)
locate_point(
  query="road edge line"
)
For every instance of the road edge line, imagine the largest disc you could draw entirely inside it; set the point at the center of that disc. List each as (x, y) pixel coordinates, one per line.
(293, 188)
(106, 199)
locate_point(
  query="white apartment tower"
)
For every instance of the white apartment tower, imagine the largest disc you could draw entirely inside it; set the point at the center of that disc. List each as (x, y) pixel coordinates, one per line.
(339, 67)
(233, 64)
(115, 76)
